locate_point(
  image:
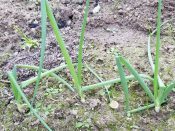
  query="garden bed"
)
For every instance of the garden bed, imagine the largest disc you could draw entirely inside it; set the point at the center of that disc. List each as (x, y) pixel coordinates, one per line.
(120, 25)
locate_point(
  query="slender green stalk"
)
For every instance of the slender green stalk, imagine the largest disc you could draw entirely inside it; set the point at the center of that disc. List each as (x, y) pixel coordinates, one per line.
(80, 53)
(99, 78)
(43, 45)
(14, 82)
(141, 108)
(138, 77)
(25, 83)
(14, 71)
(163, 91)
(59, 68)
(110, 82)
(149, 50)
(167, 91)
(157, 51)
(123, 82)
(165, 22)
(161, 84)
(33, 79)
(63, 49)
(15, 91)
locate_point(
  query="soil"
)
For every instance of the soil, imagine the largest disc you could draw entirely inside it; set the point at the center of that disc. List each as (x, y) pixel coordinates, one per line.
(120, 25)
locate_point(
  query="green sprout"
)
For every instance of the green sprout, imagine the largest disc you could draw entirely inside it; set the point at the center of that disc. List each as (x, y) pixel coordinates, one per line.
(157, 97)
(27, 42)
(161, 91)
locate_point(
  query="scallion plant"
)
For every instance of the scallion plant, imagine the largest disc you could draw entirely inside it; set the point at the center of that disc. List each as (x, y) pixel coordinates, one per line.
(160, 90)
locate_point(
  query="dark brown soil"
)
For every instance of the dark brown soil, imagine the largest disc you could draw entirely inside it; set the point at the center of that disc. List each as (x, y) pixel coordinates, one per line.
(120, 25)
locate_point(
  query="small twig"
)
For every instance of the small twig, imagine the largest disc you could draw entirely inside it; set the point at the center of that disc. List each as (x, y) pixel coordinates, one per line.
(5, 81)
(9, 100)
(54, 100)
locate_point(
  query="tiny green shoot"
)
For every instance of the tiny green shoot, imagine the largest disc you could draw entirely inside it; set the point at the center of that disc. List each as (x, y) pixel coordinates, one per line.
(28, 43)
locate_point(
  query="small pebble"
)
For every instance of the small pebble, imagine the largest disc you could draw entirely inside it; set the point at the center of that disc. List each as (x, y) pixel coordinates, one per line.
(114, 104)
(121, 12)
(96, 9)
(115, 16)
(74, 112)
(119, 7)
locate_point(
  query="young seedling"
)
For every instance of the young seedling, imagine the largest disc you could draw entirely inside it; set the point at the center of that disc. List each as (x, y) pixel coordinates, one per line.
(46, 11)
(14, 90)
(27, 42)
(17, 87)
(161, 91)
(43, 45)
(158, 96)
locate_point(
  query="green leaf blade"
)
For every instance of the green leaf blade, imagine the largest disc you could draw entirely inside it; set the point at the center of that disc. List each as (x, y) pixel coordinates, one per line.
(63, 48)
(138, 77)
(156, 68)
(43, 46)
(12, 79)
(14, 90)
(80, 52)
(123, 82)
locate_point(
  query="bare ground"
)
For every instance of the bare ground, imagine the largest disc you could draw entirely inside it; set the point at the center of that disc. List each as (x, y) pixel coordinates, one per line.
(121, 26)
